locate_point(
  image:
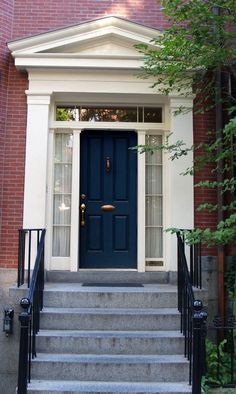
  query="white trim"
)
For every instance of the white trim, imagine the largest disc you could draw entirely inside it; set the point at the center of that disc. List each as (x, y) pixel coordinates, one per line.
(181, 201)
(139, 127)
(74, 253)
(36, 162)
(65, 47)
(42, 98)
(89, 62)
(141, 205)
(73, 262)
(49, 210)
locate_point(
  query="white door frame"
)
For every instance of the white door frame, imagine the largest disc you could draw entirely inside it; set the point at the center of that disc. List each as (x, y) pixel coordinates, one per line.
(72, 263)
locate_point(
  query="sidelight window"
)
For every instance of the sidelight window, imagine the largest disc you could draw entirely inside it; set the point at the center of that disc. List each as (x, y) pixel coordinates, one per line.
(62, 195)
(154, 202)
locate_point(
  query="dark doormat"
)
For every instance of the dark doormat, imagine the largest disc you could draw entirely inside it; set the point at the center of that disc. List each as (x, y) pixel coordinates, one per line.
(113, 284)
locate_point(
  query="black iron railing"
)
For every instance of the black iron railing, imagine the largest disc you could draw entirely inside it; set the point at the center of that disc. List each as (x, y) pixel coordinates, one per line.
(192, 317)
(31, 242)
(27, 249)
(193, 255)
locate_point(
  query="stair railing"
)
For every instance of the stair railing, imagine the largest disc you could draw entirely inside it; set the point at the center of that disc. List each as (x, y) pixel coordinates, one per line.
(192, 317)
(32, 304)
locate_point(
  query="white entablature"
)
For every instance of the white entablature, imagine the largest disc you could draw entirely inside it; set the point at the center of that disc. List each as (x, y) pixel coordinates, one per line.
(105, 43)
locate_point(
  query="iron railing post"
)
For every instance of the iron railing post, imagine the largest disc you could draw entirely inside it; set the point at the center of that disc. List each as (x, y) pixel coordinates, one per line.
(32, 304)
(198, 366)
(24, 352)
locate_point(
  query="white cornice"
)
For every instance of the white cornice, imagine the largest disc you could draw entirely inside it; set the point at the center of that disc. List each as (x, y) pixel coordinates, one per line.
(27, 62)
(106, 43)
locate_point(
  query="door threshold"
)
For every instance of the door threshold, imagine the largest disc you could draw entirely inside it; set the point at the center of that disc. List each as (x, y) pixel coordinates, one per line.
(106, 270)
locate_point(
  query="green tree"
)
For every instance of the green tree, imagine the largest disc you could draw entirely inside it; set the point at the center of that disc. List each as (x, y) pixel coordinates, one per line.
(198, 50)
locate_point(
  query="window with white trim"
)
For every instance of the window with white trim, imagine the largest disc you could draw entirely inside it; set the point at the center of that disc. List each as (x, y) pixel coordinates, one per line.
(154, 202)
(109, 113)
(62, 194)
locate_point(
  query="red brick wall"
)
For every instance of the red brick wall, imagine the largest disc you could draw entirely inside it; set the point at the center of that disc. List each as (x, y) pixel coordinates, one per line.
(21, 18)
(6, 23)
(203, 124)
(14, 159)
(35, 16)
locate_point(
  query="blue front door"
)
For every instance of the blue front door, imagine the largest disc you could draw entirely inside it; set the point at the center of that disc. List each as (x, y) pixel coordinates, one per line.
(108, 200)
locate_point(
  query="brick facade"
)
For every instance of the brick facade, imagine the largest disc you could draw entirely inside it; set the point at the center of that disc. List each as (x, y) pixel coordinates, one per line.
(20, 19)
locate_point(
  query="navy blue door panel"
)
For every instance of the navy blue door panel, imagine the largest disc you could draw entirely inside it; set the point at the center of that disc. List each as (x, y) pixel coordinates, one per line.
(108, 177)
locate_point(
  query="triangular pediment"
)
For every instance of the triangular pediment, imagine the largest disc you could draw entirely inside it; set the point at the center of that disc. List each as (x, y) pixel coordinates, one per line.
(109, 45)
(109, 37)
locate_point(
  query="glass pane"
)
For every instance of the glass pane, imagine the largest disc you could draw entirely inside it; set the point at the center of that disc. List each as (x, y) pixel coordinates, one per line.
(67, 113)
(154, 243)
(63, 148)
(104, 114)
(153, 211)
(152, 115)
(61, 209)
(154, 157)
(62, 178)
(62, 194)
(93, 113)
(61, 241)
(153, 179)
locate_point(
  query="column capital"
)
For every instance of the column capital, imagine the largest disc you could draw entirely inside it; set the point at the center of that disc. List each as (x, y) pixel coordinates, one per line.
(77, 131)
(141, 132)
(177, 102)
(38, 98)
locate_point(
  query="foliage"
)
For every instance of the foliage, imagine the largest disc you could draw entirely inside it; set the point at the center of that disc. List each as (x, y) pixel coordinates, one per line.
(64, 114)
(198, 45)
(230, 277)
(218, 365)
(198, 42)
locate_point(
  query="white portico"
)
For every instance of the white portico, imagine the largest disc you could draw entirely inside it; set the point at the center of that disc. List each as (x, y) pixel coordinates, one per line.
(95, 66)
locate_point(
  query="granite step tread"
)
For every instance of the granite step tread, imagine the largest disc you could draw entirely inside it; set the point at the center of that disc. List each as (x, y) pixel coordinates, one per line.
(69, 387)
(78, 287)
(111, 333)
(110, 358)
(115, 311)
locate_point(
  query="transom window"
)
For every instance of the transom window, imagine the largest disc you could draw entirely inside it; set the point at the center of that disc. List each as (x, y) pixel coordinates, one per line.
(95, 113)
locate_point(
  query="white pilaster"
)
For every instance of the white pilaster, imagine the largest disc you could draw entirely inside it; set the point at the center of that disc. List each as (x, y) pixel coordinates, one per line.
(141, 204)
(181, 187)
(74, 252)
(36, 160)
(49, 208)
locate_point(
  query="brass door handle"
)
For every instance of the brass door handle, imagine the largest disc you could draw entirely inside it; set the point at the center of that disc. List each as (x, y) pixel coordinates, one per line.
(82, 207)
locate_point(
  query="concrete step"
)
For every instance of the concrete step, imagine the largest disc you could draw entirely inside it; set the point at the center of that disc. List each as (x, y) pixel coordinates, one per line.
(112, 276)
(76, 387)
(110, 342)
(116, 368)
(125, 319)
(109, 339)
(74, 295)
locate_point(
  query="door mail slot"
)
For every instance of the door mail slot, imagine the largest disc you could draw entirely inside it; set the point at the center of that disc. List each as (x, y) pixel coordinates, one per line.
(107, 208)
